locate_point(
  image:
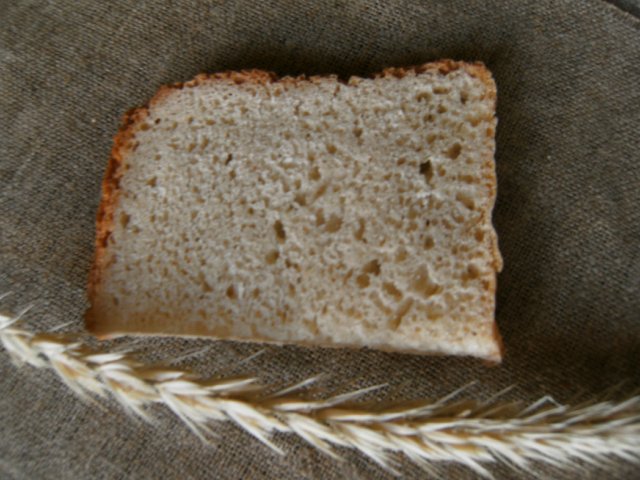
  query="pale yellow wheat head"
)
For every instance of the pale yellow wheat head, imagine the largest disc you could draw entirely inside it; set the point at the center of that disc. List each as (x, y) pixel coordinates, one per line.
(472, 433)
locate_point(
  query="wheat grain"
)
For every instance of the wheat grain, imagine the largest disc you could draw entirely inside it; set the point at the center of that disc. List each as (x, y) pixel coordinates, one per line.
(471, 433)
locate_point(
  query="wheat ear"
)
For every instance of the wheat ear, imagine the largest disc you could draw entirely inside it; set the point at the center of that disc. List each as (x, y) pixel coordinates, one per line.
(472, 433)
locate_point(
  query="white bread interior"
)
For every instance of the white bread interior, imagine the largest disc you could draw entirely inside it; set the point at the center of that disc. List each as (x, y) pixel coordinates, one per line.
(306, 211)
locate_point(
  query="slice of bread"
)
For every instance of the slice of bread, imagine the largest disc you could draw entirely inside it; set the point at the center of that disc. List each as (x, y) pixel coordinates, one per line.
(306, 210)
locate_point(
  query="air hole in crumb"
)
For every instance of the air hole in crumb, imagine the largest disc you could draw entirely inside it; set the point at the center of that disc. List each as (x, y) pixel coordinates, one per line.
(472, 272)
(152, 182)
(442, 109)
(255, 293)
(426, 169)
(229, 159)
(359, 233)
(467, 178)
(392, 290)
(311, 156)
(333, 224)
(440, 90)
(280, 233)
(428, 118)
(190, 147)
(231, 292)
(272, 257)
(300, 199)
(401, 255)
(464, 96)
(401, 161)
(232, 174)
(479, 235)
(403, 309)
(423, 96)
(314, 174)
(251, 211)
(203, 283)
(362, 280)
(321, 190)
(372, 267)
(357, 132)
(454, 151)
(466, 200)
(319, 217)
(435, 311)
(124, 220)
(423, 284)
(331, 148)
(429, 243)
(474, 121)
(442, 171)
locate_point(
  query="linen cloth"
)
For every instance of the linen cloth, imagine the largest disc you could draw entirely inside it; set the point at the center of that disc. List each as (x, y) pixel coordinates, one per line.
(567, 214)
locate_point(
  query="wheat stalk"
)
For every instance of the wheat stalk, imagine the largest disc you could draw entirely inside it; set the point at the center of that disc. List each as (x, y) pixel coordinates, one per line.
(472, 433)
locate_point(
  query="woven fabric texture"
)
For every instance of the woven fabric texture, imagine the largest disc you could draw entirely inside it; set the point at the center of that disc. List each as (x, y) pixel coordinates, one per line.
(568, 210)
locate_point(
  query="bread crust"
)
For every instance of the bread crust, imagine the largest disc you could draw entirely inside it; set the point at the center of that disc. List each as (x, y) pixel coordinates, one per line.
(124, 142)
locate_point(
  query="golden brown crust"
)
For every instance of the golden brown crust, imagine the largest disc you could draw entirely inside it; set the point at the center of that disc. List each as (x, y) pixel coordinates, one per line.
(480, 71)
(124, 142)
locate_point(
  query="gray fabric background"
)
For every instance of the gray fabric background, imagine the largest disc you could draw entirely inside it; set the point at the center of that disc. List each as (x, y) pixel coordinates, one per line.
(568, 216)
